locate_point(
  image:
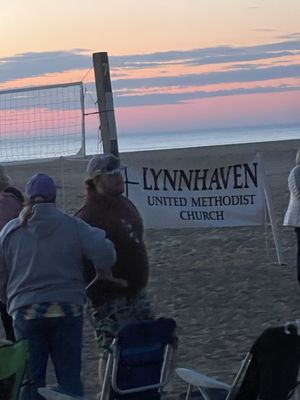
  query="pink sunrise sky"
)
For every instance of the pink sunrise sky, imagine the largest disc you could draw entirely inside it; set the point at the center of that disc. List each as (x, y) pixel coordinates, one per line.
(174, 65)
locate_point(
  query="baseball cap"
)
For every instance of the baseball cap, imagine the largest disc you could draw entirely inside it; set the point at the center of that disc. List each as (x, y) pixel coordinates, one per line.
(100, 164)
(41, 185)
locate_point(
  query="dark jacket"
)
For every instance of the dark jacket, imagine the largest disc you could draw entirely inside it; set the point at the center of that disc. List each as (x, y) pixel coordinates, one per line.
(124, 227)
(273, 370)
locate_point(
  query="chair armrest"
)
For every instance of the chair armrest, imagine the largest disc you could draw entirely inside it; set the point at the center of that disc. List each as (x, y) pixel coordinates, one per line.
(197, 379)
(50, 394)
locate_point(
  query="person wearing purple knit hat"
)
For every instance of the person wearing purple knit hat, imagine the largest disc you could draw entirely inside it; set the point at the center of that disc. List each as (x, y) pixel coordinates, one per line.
(41, 263)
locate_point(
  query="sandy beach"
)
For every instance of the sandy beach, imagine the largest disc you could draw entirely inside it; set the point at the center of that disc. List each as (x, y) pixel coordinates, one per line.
(222, 286)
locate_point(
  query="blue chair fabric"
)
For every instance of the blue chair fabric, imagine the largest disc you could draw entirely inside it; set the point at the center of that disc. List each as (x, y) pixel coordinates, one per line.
(141, 347)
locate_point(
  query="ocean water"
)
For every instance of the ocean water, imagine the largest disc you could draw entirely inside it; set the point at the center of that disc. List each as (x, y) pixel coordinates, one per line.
(17, 149)
(169, 140)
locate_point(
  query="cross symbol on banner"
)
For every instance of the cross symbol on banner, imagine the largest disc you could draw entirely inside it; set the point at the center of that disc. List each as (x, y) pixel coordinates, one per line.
(127, 182)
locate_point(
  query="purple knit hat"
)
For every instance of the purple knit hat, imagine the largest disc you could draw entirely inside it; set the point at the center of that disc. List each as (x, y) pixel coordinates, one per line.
(41, 185)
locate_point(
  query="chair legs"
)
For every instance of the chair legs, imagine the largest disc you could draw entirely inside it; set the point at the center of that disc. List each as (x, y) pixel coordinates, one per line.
(106, 370)
(188, 393)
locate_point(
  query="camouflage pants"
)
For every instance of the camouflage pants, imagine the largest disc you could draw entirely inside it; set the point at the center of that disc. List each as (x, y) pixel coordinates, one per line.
(109, 318)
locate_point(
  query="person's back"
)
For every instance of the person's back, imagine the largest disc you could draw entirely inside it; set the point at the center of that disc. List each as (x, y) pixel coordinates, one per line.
(50, 249)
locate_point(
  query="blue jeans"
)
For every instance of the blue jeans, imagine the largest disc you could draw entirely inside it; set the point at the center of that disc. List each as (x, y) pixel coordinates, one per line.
(61, 339)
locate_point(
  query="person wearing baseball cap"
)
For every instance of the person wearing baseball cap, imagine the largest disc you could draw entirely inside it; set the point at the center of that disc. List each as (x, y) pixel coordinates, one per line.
(41, 262)
(105, 207)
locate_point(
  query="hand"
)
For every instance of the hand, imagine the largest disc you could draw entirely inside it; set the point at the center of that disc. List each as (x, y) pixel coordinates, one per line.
(106, 276)
(101, 290)
(118, 281)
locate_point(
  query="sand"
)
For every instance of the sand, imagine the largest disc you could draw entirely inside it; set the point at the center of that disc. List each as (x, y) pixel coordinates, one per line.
(222, 286)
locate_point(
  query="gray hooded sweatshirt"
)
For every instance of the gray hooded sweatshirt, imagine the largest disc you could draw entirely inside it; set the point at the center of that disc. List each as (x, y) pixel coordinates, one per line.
(42, 261)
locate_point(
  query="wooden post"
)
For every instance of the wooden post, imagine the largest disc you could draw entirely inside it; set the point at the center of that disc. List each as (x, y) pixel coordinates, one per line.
(105, 103)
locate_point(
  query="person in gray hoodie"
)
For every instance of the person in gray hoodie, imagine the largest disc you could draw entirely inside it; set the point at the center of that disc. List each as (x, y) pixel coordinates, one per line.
(41, 261)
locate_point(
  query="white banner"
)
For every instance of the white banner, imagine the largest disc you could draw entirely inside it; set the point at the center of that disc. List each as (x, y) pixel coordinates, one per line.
(194, 192)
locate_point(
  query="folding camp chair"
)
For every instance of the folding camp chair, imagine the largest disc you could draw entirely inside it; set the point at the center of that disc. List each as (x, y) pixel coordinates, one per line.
(13, 366)
(142, 361)
(269, 371)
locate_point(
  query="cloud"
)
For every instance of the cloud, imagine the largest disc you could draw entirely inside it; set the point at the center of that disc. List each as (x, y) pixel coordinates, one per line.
(291, 36)
(263, 30)
(177, 98)
(209, 78)
(251, 65)
(28, 65)
(211, 55)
